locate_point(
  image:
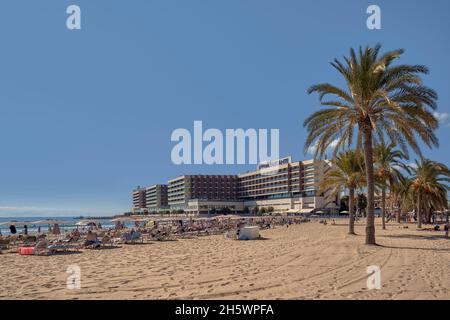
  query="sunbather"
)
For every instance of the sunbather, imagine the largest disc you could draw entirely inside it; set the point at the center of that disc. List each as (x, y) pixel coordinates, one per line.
(91, 240)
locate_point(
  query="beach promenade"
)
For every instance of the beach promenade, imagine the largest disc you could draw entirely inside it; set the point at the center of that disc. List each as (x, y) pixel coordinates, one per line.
(305, 261)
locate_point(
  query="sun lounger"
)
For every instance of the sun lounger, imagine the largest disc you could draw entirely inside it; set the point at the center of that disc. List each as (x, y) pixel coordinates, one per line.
(107, 240)
(128, 237)
(41, 248)
(4, 244)
(62, 247)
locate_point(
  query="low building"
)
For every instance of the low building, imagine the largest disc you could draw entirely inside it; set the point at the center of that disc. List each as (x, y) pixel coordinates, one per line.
(198, 206)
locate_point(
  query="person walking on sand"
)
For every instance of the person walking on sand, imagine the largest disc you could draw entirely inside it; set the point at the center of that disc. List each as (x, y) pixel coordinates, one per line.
(446, 228)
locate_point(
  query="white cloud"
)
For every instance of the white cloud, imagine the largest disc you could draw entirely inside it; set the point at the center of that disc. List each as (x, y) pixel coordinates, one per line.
(442, 117)
(312, 149)
(35, 211)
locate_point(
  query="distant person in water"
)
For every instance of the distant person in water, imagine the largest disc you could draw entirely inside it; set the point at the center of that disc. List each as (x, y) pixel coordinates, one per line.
(12, 229)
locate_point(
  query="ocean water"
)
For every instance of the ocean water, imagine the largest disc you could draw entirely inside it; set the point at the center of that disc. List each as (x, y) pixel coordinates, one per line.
(71, 221)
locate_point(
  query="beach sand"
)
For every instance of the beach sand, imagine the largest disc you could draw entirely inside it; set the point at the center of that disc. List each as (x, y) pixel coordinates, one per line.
(307, 261)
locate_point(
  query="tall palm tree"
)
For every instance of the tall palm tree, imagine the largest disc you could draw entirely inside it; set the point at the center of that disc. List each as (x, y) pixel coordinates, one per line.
(429, 186)
(388, 163)
(379, 98)
(348, 173)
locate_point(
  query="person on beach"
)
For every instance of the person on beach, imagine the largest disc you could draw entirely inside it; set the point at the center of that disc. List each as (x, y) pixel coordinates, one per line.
(91, 239)
(56, 230)
(39, 229)
(25, 230)
(12, 229)
(446, 228)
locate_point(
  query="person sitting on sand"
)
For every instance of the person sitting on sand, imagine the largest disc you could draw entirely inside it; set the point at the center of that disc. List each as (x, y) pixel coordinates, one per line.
(91, 239)
(76, 233)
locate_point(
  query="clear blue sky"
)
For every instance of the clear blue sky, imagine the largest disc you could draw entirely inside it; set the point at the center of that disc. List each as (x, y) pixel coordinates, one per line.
(87, 115)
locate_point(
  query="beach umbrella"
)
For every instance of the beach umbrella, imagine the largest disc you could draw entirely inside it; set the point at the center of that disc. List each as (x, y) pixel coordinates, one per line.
(15, 223)
(87, 223)
(346, 212)
(48, 221)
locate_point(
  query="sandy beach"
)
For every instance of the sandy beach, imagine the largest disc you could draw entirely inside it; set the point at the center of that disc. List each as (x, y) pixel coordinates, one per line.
(306, 261)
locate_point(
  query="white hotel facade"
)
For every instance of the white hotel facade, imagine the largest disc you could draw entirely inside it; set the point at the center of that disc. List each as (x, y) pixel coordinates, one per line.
(285, 185)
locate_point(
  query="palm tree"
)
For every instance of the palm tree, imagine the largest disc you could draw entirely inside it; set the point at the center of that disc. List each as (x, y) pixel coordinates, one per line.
(401, 195)
(429, 186)
(348, 173)
(379, 99)
(387, 170)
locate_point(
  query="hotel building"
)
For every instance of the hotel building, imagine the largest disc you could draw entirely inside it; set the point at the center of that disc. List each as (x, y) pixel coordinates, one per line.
(184, 189)
(286, 185)
(156, 197)
(139, 198)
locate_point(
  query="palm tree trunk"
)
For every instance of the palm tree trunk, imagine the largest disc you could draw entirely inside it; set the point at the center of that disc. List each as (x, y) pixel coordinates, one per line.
(383, 208)
(351, 224)
(419, 213)
(368, 157)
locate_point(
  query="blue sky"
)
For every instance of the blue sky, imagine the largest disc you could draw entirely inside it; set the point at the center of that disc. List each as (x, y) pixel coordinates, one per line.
(87, 115)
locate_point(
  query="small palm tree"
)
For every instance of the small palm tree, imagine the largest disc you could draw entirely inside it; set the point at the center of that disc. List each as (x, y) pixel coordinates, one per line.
(348, 173)
(429, 186)
(387, 170)
(379, 99)
(401, 195)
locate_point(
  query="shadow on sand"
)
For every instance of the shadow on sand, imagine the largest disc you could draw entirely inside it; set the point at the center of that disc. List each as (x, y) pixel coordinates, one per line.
(416, 237)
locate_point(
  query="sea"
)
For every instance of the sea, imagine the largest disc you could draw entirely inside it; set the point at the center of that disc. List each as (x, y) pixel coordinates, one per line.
(69, 223)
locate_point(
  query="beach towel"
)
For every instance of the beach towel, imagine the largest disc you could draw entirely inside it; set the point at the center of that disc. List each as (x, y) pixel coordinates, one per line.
(26, 251)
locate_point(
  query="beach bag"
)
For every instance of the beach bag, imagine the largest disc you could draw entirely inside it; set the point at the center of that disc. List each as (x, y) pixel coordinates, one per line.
(26, 251)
